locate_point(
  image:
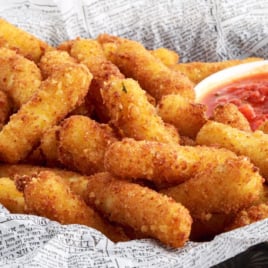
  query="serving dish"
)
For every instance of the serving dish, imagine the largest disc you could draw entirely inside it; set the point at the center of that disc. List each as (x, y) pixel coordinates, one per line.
(229, 75)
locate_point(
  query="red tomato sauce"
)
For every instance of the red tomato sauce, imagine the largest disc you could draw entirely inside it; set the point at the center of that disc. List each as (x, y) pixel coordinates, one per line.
(249, 94)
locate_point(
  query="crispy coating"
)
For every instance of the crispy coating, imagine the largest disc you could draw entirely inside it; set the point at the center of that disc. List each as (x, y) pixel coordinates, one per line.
(197, 71)
(141, 208)
(109, 50)
(10, 197)
(150, 98)
(131, 112)
(82, 144)
(229, 114)
(20, 78)
(105, 38)
(90, 53)
(263, 195)
(78, 186)
(5, 108)
(51, 61)
(7, 170)
(58, 95)
(220, 188)
(24, 43)
(157, 79)
(85, 50)
(188, 117)
(66, 45)
(248, 216)
(49, 146)
(48, 195)
(160, 162)
(253, 145)
(76, 181)
(166, 56)
(47, 152)
(110, 43)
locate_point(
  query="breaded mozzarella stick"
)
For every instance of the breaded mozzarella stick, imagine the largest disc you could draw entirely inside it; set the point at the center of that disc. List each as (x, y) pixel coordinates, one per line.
(48, 195)
(24, 43)
(223, 188)
(253, 145)
(20, 78)
(141, 208)
(90, 53)
(188, 117)
(57, 96)
(82, 144)
(160, 162)
(133, 114)
(157, 79)
(10, 197)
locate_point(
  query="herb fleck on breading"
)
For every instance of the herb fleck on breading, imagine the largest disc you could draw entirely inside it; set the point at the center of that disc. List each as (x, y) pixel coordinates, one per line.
(124, 88)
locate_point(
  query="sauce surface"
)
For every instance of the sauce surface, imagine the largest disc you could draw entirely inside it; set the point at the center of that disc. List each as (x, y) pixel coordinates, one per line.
(249, 94)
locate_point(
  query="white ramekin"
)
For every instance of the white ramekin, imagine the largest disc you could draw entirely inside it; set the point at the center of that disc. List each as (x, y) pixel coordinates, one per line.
(229, 75)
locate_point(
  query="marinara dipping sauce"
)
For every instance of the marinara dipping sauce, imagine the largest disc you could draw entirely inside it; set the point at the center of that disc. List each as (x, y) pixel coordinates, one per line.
(249, 93)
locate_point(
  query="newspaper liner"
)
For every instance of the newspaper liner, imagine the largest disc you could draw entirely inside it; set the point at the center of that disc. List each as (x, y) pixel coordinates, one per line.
(207, 30)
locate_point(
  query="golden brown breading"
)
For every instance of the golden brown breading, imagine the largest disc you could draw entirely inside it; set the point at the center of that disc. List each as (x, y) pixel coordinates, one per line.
(188, 117)
(49, 146)
(20, 78)
(5, 108)
(229, 114)
(253, 145)
(90, 53)
(263, 195)
(157, 79)
(197, 71)
(76, 181)
(166, 56)
(110, 43)
(52, 60)
(160, 162)
(220, 188)
(24, 43)
(48, 195)
(7, 170)
(58, 95)
(248, 216)
(109, 50)
(47, 152)
(105, 38)
(66, 45)
(133, 115)
(82, 144)
(141, 208)
(10, 197)
(78, 185)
